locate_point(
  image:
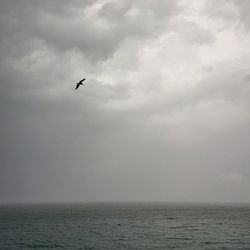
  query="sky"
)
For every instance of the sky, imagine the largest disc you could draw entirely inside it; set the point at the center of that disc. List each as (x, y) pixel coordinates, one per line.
(165, 113)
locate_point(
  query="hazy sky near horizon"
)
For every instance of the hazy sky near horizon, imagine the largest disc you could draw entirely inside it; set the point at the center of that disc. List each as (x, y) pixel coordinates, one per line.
(165, 113)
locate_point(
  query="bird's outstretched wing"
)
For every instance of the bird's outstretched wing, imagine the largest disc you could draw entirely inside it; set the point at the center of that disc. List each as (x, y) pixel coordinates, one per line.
(82, 80)
(77, 86)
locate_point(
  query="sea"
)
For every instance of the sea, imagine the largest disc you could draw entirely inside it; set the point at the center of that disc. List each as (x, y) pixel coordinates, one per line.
(184, 226)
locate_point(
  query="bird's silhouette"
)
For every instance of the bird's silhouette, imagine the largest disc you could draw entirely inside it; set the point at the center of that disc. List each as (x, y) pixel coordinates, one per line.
(80, 83)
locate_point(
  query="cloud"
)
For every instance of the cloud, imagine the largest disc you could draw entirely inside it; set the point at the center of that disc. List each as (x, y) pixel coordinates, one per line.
(192, 32)
(165, 109)
(97, 28)
(221, 9)
(231, 178)
(232, 11)
(243, 6)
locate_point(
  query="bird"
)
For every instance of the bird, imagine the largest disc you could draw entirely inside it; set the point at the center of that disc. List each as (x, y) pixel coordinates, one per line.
(80, 83)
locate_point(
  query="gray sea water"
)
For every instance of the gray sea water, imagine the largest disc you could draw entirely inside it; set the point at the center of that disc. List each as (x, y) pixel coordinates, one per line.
(125, 226)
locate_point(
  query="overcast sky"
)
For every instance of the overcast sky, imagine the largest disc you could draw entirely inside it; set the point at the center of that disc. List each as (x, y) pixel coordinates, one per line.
(165, 113)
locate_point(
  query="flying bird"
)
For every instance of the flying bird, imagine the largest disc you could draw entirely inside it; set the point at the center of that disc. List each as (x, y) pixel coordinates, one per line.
(80, 83)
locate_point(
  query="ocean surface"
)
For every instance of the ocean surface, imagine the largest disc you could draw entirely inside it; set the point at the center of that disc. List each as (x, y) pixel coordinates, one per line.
(125, 226)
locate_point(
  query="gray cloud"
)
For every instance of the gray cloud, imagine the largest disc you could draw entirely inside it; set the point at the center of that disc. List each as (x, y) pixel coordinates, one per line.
(96, 29)
(192, 32)
(158, 120)
(220, 9)
(231, 11)
(242, 7)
